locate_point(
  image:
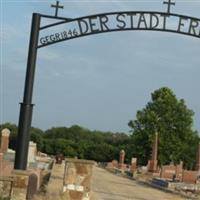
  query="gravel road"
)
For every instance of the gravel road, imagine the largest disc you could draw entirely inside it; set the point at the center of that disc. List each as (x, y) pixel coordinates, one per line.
(107, 186)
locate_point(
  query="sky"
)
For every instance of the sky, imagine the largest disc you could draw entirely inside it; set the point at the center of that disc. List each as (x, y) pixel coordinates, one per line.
(99, 81)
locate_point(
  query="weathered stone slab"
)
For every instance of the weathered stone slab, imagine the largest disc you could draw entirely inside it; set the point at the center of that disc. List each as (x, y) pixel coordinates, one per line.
(6, 187)
(190, 176)
(20, 184)
(172, 172)
(32, 186)
(77, 179)
(6, 167)
(32, 152)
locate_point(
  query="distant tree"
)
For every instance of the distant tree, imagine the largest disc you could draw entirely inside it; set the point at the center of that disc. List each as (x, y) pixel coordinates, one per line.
(77, 141)
(173, 121)
(37, 137)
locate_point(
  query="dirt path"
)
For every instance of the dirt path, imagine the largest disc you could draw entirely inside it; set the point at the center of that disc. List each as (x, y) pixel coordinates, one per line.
(107, 186)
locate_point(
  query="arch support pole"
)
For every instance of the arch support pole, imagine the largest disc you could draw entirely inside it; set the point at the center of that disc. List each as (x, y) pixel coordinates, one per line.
(26, 107)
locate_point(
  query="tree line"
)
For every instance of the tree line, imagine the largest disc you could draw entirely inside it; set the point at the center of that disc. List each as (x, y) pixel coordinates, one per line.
(164, 114)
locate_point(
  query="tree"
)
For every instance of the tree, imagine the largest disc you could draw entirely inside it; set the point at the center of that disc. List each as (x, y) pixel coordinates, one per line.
(173, 121)
(37, 137)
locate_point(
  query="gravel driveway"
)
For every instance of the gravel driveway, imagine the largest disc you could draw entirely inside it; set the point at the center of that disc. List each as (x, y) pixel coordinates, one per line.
(107, 186)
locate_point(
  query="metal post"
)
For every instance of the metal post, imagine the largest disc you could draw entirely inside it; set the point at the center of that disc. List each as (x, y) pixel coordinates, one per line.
(26, 107)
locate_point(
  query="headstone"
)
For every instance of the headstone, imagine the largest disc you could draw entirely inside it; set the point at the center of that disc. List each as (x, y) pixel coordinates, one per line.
(190, 176)
(121, 159)
(77, 179)
(172, 172)
(152, 164)
(32, 152)
(168, 171)
(32, 186)
(5, 134)
(133, 164)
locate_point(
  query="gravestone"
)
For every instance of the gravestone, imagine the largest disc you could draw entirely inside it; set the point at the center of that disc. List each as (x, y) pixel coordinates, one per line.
(133, 164)
(172, 172)
(121, 159)
(32, 152)
(190, 176)
(168, 171)
(77, 179)
(32, 186)
(5, 134)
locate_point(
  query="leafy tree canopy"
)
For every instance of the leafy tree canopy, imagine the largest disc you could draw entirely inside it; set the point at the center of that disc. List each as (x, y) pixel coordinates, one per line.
(173, 121)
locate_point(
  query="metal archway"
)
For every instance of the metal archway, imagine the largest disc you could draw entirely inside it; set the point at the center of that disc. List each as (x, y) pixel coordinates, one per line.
(85, 26)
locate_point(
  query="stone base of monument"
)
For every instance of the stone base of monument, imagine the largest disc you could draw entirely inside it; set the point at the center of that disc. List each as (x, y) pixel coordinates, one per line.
(152, 165)
(77, 179)
(160, 182)
(20, 185)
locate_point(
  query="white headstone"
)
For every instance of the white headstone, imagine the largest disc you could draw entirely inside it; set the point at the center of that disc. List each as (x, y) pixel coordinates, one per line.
(32, 152)
(5, 132)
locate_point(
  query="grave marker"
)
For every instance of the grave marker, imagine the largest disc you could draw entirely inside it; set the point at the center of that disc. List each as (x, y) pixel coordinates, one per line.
(5, 134)
(77, 179)
(121, 159)
(32, 186)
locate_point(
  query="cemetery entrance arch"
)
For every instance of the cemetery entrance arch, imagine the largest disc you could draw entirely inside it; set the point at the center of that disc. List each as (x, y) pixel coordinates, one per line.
(68, 28)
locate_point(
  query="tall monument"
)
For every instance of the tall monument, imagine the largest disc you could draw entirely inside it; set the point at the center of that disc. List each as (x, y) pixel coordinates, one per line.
(198, 158)
(121, 159)
(152, 164)
(4, 140)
